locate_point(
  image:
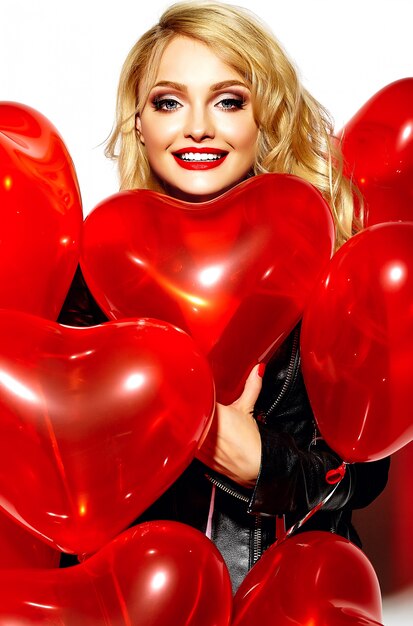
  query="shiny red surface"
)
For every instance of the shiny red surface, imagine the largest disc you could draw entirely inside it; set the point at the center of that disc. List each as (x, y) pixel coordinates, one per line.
(40, 214)
(20, 549)
(96, 423)
(235, 272)
(378, 147)
(310, 579)
(357, 345)
(156, 574)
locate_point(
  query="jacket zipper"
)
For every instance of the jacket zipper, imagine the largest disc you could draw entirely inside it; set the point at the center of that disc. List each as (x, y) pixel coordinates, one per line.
(257, 532)
(257, 541)
(288, 378)
(257, 535)
(231, 492)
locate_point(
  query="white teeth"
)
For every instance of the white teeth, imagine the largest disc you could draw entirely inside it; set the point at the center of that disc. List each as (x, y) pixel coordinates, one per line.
(199, 156)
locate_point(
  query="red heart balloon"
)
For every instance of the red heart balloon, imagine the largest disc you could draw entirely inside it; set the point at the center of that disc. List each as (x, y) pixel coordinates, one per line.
(95, 423)
(41, 213)
(312, 579)
(19, 548)
(234, 272)
(156, 574)
(378, 148)
(357, 345)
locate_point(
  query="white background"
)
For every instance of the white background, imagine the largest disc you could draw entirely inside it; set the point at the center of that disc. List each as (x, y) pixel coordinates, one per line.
(63, 58)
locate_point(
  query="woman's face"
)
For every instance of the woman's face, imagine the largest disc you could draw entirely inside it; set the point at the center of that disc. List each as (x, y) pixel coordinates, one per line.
(197, 125)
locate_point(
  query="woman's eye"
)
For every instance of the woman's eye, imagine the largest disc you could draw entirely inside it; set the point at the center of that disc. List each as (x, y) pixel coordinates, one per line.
(231, 104)
(166, 104)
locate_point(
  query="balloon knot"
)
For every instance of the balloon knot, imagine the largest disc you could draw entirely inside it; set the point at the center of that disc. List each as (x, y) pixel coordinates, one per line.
(336, 475)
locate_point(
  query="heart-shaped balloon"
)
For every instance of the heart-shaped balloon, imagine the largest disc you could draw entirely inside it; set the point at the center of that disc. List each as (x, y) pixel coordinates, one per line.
(378, 148)
(19, 548)
(156, 574)
(95, 423)
(314, 579)
(40, 214)
(357, 345)
(234, 272)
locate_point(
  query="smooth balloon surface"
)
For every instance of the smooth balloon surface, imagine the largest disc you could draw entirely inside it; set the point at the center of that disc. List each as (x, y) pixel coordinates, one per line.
(234, 272)
(313, 579)
(155, 574)
(377, 145)
(40, 213)
(20, 549)
(357, 345)
(95, 423)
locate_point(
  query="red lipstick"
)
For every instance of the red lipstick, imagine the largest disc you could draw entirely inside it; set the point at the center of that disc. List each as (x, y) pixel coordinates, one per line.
(191, 159)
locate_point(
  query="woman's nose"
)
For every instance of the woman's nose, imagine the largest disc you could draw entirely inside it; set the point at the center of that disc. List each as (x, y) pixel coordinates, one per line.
(199, 125)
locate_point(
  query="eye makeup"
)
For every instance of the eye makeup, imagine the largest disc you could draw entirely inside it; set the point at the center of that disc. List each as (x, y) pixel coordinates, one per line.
(165, 103)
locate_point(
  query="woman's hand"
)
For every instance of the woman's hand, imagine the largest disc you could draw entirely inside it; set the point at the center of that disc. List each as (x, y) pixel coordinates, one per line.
(233, 444)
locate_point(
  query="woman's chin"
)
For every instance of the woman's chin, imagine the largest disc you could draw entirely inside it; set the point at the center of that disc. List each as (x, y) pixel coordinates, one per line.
(200, 195)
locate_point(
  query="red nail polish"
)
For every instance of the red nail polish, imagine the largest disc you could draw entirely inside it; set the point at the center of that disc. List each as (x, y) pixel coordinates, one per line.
(261, 370)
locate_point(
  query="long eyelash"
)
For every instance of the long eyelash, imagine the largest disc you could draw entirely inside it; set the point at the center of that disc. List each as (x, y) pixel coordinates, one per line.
(158, 101)
(238, 103)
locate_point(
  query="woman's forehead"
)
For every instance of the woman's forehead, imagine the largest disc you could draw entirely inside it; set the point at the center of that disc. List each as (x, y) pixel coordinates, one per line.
(191, 62)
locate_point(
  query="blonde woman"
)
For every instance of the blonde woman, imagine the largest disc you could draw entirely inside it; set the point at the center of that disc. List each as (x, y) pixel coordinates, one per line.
(207, 98)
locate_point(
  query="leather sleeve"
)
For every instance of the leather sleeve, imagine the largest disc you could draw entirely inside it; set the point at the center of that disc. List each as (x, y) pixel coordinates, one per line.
(295, 459)
(80, 308)
(294, 481)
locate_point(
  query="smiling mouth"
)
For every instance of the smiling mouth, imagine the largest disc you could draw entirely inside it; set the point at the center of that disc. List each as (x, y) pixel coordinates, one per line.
(200, 159)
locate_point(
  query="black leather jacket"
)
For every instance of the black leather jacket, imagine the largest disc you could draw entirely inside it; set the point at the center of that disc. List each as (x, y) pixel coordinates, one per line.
(294, 464)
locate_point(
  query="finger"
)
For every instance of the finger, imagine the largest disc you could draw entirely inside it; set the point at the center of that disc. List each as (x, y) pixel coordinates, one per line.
(252, 388)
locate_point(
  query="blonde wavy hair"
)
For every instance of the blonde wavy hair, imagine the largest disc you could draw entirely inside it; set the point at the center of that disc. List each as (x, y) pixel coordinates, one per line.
(295, 131)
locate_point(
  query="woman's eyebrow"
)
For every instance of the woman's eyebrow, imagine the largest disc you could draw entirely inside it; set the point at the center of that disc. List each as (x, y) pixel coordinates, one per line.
(171, 84)
(225, 84)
